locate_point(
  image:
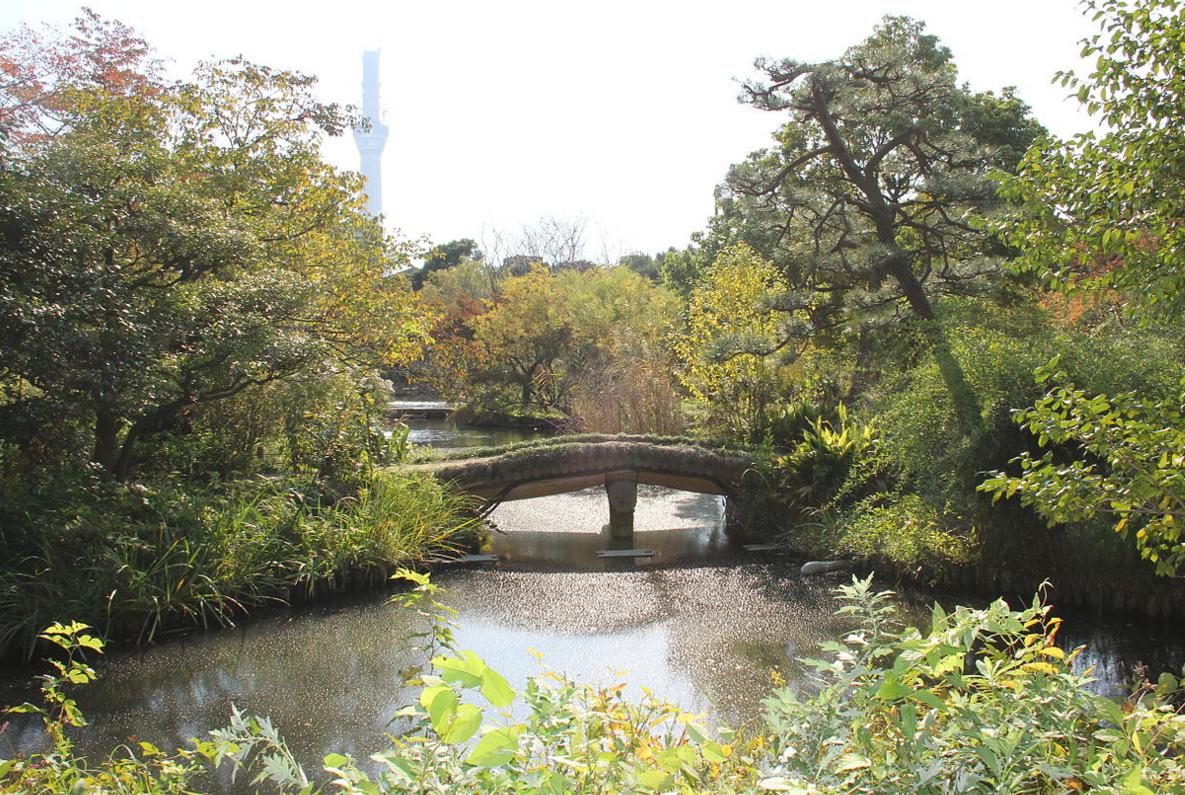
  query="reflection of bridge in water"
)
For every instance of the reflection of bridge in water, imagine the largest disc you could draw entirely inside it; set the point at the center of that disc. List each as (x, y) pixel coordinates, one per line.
(618, 463)
(569, 532)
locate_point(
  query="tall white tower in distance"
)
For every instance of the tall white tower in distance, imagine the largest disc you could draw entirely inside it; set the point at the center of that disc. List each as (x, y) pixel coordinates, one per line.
(371, 142)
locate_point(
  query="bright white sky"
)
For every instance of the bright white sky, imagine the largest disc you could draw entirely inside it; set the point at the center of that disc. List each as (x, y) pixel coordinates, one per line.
(620, 112)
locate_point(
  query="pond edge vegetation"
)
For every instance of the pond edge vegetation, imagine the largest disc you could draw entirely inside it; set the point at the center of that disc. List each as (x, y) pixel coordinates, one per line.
(983, 700)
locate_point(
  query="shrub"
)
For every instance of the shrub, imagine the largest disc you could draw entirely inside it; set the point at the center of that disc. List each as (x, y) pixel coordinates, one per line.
(917, 419)
(903, 530)
(633, 395)
(932, 458)
(788, 487)
(984, 701)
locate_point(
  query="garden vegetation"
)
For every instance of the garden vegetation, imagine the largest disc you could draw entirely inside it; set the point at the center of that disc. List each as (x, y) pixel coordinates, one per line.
(194, 309)
(955, 340)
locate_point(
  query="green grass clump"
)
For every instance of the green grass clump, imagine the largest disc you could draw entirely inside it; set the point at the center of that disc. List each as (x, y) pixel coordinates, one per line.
(905, 531)
(134, 561)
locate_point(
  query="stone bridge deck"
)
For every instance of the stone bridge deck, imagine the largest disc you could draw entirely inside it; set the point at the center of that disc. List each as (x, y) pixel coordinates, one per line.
(618, 463)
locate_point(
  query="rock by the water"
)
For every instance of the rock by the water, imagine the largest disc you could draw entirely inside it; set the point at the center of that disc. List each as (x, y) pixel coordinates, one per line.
(823, 567)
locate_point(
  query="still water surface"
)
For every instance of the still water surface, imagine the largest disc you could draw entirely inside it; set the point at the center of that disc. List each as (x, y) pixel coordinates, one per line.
(700, 623)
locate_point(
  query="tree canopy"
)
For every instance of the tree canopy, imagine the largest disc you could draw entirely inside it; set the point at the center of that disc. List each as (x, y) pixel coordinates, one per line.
(162, 247)
(1105, 208)
(870, 201)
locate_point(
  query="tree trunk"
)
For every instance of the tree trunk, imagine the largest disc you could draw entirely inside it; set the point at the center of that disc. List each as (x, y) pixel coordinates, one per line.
(961, 392)
(106, 439)
(123, 464)
(863, 372)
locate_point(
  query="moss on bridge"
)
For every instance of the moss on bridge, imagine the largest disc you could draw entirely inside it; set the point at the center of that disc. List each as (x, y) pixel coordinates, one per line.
(571, 457)
(569, 463)
(551, 443)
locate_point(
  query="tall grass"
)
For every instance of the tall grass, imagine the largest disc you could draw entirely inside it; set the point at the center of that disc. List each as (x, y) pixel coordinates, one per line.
(632, 396)
(153, 559)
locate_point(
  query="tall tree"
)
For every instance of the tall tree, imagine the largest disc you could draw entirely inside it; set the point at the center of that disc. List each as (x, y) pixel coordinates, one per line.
(41, 73)
(445, 256)
(168, 248)
(728, 319)
(523, 339)
(868, 204)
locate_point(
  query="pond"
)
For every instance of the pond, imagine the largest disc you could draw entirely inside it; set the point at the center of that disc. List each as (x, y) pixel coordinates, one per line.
(700, 623)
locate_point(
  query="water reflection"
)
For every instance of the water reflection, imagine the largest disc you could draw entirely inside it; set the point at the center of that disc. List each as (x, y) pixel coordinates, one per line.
(702, 633)
(568, 531)
(445, 434)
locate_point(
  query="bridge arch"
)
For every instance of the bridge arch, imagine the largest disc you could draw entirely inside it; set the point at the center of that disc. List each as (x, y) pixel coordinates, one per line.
(618, 463)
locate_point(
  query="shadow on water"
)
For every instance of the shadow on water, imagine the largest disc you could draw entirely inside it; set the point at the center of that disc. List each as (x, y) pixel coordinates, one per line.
(700, 623)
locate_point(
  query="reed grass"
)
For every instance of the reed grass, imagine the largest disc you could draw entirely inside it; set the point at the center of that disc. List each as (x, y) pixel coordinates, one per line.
(158, 559)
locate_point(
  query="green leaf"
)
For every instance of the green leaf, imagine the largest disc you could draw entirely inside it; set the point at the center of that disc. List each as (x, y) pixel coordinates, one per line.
(713, 752)
(653, 778)
(892, 689)
(395, 762)
(927, 698)
(24, 709)
(335, 760)
(465, 670)
(496, 747)
(89, 642)
(1133, 783)
(850, 762)
(464, 724)
(441, 703)
(495, 688)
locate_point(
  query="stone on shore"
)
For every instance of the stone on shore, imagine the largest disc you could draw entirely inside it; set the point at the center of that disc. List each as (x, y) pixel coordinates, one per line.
(823, 567)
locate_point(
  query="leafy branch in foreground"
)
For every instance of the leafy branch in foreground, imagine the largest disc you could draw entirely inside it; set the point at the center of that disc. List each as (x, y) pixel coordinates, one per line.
(1130, 466)
(1104, 208)
(59, 769)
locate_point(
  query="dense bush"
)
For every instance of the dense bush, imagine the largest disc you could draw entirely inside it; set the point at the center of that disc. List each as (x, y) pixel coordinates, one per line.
(901, 530)
(588, 348)
(932, 458)
(898, 481)
(981, 701)
(918, 420)
(724, 359)
(1130, 468)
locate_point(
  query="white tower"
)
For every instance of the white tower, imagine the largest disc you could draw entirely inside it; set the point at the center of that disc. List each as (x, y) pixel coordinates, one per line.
(371, 142)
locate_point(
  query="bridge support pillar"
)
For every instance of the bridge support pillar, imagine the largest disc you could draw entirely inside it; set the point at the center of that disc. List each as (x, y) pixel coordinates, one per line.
(623, 498)
(735, 522)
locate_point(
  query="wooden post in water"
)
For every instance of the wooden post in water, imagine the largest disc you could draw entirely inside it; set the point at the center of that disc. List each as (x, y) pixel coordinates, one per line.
(623, 497)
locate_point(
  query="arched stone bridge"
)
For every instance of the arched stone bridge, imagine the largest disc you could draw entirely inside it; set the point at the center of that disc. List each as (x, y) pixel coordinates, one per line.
(619, 463)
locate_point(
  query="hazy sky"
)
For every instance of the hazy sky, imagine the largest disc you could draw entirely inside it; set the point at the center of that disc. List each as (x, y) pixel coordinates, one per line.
(620, 113)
